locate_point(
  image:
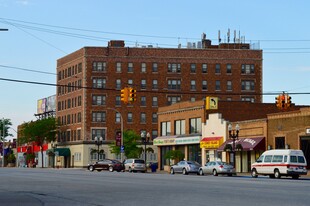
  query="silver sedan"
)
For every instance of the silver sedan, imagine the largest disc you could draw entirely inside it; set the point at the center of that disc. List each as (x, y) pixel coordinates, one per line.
(217, 167)
(185, 167)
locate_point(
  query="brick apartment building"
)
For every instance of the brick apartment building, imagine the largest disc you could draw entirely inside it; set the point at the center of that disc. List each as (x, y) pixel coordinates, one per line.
(90, 79)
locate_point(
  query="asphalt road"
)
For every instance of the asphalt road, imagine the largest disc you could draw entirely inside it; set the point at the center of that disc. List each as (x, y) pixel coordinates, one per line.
(49, 187)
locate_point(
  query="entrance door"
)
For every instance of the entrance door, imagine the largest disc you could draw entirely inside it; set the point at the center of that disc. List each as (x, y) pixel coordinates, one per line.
(305, 147)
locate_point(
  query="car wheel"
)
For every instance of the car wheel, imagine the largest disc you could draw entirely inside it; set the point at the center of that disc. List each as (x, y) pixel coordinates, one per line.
(91, 168)
(254, 173)
(172, 171)
(111, 169)
(201, 172)
(271, 176)
(215, 172)
(99, 170)
(277, 174)
(184, 172)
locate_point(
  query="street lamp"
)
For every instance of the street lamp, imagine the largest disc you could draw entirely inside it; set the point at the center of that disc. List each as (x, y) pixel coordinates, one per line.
(54, 146)
(145, 139)
(98, 142)
(234, 134)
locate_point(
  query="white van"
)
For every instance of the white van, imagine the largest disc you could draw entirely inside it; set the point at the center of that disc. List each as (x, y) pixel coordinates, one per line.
(280, 162)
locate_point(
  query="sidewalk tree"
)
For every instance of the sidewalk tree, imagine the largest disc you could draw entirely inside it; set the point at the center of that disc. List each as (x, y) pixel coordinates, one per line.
(5, 124)
(176, 155)
(130, 143)
(38, 132)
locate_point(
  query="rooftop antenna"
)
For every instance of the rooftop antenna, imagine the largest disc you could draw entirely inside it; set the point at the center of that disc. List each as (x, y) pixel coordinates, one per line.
(234, 36)
(219, 36)
(228, 35)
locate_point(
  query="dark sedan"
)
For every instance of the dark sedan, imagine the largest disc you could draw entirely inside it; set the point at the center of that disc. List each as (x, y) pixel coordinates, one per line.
(107, 164)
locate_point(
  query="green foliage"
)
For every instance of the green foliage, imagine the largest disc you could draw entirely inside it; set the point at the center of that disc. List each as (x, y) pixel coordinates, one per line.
(30, 156)
(130, 144)
(7, 123)
(11, 158)
(176, 155)
(40, 131)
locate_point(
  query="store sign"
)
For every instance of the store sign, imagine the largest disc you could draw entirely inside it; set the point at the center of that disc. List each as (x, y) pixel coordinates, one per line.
(211, 142)
(177, 141)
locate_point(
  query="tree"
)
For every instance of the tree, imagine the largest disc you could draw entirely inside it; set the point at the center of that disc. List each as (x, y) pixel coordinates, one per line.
(174, 155)
(5, 123)
(39, 132)
(130, 144)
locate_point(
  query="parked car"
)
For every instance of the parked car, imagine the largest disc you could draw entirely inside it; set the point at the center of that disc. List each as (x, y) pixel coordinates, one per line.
(280, 162)
(185, 167)
(134, 165)
(107, 164)
(217, 167)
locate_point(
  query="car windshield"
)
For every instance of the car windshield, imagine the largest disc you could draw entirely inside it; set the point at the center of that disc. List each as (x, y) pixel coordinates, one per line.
(139, 161)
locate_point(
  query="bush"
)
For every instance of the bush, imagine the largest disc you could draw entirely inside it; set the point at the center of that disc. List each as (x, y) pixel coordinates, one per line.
(11, 158)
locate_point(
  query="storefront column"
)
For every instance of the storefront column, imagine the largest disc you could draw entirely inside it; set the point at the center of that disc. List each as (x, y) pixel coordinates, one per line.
(203, 156)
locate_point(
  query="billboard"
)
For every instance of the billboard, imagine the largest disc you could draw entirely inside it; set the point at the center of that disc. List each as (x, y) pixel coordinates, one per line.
(46, 104)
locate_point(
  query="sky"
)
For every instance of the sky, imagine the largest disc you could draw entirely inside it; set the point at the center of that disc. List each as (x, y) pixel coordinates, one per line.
(42, 31)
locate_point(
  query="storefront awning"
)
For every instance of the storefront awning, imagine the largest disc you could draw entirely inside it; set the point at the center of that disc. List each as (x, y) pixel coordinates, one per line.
(63, 152)
(211, 142)
(247, 144)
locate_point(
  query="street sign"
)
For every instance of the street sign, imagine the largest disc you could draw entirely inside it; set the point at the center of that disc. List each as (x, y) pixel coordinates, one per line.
(122, 149)
(211, 103)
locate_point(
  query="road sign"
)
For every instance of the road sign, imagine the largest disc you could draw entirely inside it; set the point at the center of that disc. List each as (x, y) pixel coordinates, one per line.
(122, 149)
(211, 103)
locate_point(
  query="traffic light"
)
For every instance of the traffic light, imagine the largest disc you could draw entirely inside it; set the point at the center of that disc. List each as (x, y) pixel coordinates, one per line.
(278, 101)
(125, 95)
(132, 94)
(288, 101)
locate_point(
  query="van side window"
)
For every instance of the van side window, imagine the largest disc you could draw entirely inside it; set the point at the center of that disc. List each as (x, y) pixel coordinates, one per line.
(260, 159)
(268, 158)
(285, 158)
(293, 159)
(301, 159)
(277, 158)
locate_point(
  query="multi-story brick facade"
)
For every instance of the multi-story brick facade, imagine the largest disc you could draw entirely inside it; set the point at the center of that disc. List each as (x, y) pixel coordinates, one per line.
(91, 78)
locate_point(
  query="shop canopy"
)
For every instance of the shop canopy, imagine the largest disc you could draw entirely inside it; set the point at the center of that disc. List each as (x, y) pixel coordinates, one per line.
(60, 151)
(248, 144)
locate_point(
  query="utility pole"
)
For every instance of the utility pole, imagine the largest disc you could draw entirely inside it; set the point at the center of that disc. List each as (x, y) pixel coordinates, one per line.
(3, 132)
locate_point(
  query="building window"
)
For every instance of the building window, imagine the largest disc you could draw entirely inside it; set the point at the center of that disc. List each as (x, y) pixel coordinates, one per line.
(229, 86)
(165, 128)
(155, 84)
(154, 118)
(154, 101)
(195, 125)
(78, 134)
(248, 99)
(117, 117)
(204, 68)
(204, 85)
(247, 69)
(154, 134)
(143, 67)
(79, 100)
(179, 127)
(154, 67)
(69, 103)
(98, 116)
(98, 133)
(118, 100)
(79, 117)
(99, 83)
(118, 84)
(193, 68)
(130, 67)
(217, 85)
(143, 101)
(193, 99)
(174, 67)
(118, 67)
(99, 100)
(99, 66)
(173, 99)
(174, 84)
(130, 82)
(143, 84)
(129, 117)
(193, 85)
(80, 67)
(143, 117)
(228, 68)
(217, 69)
(280, 142)
(247, 85)
(77, 157)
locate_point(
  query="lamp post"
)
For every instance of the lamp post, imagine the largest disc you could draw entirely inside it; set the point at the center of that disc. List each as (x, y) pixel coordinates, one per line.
(234, 134)
(145, 139)
(98, 142)
(54, 146)
(122, 129)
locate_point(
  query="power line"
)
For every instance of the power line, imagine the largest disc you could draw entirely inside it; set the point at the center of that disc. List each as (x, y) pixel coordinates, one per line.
(28, 70)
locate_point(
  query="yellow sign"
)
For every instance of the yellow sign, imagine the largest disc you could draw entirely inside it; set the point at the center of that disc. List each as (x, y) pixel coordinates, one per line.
(211, 143)
(211, 103)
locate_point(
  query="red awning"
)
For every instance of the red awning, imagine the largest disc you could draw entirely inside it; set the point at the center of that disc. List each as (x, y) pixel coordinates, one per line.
(248, 144)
